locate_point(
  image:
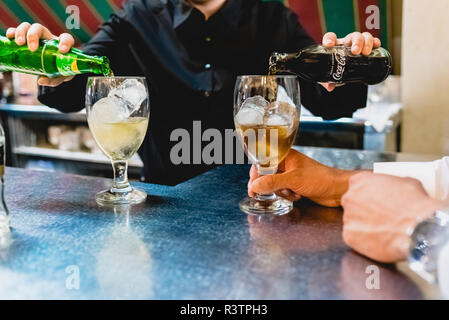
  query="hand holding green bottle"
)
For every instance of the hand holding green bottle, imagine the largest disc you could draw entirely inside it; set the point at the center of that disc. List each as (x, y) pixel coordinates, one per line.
(29, 34)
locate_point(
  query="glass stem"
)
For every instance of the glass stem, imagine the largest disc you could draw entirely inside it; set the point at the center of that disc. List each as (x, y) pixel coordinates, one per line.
(121, 183)
(265, 172)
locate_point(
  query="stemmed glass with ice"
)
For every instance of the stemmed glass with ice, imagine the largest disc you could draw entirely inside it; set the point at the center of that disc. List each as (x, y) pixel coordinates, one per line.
(118, 112)
(266, 117)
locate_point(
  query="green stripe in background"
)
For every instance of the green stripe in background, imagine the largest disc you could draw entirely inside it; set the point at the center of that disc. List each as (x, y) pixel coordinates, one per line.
(103, 8)
(18, 11)
(339, 16)
(2, 31)
(59, 10)
(385, 10)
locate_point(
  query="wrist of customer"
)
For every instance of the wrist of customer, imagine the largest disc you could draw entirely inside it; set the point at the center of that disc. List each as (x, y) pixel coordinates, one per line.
(339, 183)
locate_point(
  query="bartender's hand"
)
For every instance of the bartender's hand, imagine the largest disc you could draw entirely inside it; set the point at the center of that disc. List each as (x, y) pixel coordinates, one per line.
(360, 43)
(381, 211)
(299, 176)
(29, 34)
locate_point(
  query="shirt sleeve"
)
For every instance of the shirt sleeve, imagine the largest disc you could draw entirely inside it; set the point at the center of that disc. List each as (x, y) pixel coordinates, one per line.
(343, 101)
(434, 176)
(69, 96)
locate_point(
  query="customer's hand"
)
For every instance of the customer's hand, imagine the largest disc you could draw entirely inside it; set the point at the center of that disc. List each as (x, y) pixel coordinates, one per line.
(360, 43)
(380, 212)
(300, 176)
(29, 34)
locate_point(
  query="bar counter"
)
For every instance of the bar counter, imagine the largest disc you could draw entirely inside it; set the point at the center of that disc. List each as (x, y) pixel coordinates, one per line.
(186, 242)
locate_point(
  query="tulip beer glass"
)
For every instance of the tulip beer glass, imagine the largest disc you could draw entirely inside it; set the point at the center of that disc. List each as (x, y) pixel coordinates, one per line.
(266, 117)
(118, 112)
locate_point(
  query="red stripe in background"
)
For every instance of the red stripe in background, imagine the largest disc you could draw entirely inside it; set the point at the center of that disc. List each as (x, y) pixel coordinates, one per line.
(7, 19)
(45, 18)
(363, 16)
(88, 18)
(119, 3)
(309, 16)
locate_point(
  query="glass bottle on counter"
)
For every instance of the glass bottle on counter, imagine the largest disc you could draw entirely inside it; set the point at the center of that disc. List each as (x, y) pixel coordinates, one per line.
(333, 64)
(48, 61)
(4, 213)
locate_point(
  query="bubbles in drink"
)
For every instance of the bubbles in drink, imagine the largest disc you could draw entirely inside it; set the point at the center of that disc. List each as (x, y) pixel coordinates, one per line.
(120, 140)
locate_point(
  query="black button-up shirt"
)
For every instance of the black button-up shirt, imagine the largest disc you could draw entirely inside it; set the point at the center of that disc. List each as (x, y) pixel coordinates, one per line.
(191, 65)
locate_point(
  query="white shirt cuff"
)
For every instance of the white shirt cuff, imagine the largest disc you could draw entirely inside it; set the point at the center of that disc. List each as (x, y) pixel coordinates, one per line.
(434, 176)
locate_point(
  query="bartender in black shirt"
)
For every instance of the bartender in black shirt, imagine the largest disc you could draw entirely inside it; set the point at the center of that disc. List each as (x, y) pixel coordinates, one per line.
(191, 52)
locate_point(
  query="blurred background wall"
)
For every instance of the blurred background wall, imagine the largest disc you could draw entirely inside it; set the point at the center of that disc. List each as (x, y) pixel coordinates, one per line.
(53, 14)
(317, 16)
(425, 73)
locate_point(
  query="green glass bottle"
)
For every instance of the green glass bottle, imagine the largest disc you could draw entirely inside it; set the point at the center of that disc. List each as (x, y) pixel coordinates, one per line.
(48, 61)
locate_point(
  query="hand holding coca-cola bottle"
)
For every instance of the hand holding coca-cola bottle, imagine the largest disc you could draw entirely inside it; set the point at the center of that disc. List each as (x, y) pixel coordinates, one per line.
(357, 58)
(360, 43)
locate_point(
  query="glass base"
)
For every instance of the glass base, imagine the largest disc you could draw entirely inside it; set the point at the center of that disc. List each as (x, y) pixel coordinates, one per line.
(108, 197)
(274, 206)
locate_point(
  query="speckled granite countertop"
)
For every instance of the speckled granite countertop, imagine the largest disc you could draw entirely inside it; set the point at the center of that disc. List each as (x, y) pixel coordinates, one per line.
(186, 242)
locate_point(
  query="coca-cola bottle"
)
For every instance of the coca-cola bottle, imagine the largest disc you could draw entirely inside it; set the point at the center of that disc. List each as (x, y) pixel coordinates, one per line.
(333, 64)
